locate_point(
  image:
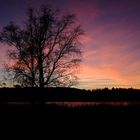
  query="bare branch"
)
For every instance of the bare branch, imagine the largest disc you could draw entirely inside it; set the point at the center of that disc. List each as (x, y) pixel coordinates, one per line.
(46, 49)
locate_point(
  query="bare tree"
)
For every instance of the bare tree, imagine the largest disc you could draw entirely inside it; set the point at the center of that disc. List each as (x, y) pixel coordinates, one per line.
(46, 49)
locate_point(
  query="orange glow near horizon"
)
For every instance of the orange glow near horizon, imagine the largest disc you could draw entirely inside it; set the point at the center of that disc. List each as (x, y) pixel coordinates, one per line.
(110, 46)
(93, 78)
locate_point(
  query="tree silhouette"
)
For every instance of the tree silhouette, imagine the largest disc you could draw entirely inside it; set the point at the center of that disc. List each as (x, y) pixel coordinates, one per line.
(46, 48)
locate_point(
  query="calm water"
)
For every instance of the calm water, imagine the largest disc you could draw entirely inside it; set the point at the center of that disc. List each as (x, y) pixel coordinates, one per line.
(79, 104)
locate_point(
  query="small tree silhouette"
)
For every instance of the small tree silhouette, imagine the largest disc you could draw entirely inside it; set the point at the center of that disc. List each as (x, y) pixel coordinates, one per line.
(46, 49)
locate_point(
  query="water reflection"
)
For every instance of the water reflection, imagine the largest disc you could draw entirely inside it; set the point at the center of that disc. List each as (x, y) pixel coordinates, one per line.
(74, 104)
(80, 104)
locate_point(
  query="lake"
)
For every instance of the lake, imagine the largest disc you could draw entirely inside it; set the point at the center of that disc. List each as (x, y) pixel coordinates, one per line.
(81, 104)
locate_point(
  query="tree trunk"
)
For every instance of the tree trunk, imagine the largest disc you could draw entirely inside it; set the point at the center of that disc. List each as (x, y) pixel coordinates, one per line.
(33, 79)
(32, 69)
(41, 73)
(41, 77)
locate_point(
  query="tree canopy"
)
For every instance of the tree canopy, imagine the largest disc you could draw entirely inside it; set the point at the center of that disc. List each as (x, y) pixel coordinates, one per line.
(46, 49)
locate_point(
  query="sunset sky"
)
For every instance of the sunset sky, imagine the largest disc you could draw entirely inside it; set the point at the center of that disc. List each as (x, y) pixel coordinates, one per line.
(111, 44)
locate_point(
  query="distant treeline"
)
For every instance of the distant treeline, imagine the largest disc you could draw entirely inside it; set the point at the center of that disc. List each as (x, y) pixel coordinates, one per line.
(41, 95)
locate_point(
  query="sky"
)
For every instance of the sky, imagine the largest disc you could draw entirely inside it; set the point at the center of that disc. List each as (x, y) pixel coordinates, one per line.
(111, 44)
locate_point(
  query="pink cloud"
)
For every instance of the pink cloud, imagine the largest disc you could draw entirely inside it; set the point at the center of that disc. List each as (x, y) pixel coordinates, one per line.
(112, 54)
(111, 45)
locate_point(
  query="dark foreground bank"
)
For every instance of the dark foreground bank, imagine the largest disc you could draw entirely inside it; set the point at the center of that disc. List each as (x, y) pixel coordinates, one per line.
(50, 109)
